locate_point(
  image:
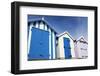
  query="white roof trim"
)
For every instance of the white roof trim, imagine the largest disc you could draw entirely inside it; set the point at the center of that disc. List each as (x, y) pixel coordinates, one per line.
(82, 37)
(64, 34)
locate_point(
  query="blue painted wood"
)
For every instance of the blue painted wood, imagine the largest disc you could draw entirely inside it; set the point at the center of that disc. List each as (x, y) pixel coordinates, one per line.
(45, 44)
(67, 48)
(39, 48)
(51, 45)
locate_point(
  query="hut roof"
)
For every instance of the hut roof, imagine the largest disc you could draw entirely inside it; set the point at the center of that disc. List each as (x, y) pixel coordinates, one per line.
(82, 39)
(64, 34)
(44, 21)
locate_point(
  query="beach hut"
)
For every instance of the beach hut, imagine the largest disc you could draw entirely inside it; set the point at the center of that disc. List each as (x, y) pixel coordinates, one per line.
(65, 46)
(81, 48)
(41, 40)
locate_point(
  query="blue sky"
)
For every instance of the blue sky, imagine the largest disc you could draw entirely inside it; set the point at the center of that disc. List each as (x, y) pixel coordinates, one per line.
(76, 26)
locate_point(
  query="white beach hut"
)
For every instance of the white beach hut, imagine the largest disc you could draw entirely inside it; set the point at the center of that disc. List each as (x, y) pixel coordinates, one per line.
(81, 48)
(65, 46)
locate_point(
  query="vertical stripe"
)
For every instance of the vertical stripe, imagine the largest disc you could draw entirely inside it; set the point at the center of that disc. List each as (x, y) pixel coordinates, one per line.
(37, 25)
(53, 41)
(63, 48)
(29, 37)
(30, 25)
(55, 47)
(45, 27)
(41, 25)
(49, 43)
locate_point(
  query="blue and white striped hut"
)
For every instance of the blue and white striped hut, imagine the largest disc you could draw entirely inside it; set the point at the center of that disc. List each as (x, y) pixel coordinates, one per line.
(41, 40)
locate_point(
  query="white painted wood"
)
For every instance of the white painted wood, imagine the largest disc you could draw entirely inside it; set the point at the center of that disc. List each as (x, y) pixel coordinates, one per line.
(76, 50)
(49, 43)
(41, 25)
(53, 44)
(61, 46)
(29, 37)
(37, 25)
(82, 49)
(45, 27)
(60, 54)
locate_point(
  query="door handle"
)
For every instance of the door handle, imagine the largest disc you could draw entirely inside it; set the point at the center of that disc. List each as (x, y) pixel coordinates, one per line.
(41, 55)
(41, 43)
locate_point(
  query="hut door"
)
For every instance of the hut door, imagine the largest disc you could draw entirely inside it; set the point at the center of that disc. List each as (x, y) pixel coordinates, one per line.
(39, 46)
(67, 48)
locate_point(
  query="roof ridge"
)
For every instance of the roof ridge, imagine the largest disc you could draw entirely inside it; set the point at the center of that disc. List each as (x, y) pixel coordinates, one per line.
(66, 32)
